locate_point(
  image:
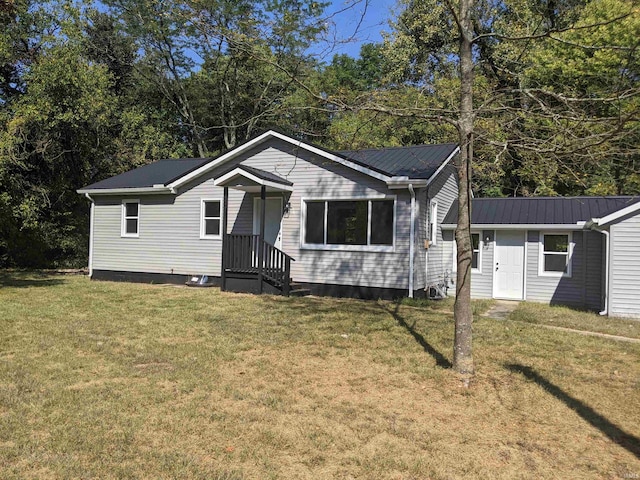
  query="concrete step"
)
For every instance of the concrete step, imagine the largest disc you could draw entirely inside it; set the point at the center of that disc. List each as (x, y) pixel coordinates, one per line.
(298, 291)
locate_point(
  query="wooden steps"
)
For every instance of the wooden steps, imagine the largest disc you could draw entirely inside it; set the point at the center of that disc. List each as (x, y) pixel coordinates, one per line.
(298, 290)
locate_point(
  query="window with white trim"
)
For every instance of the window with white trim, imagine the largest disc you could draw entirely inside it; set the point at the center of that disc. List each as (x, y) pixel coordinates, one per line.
(476, 257)
(364, 223)
(475, 248)
(433, 222)
(555, 254)
(211, 218)
(130, 218)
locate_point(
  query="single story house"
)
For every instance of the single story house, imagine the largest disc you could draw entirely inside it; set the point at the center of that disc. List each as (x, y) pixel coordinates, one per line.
(280, 215)
(276, 214)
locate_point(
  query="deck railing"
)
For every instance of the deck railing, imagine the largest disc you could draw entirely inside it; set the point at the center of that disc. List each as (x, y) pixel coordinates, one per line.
(246, 254)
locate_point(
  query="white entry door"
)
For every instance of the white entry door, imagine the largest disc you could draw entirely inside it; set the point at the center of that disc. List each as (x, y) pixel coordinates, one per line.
(273, 220)
(508, 265)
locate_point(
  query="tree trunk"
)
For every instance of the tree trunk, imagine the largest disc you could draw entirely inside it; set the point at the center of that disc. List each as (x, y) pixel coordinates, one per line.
(462, 348)
(197, 138)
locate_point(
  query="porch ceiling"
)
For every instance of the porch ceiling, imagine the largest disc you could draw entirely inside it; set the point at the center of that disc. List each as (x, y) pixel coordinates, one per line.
(251, 179)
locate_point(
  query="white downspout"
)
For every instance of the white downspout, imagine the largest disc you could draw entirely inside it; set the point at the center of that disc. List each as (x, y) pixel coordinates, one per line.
(412, 239)
(607, 268)
(90, 235)
(426, 252)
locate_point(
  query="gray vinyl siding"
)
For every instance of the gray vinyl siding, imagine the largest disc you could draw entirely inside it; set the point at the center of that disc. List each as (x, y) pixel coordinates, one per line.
(319, 178)
(595, 271)
(169, 234)
(169, 240)
(482, 280)
(583, 288)
(444, 190)
(624, 287)
(421, 235)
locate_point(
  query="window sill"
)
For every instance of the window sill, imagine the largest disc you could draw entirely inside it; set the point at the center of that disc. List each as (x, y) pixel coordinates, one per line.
(129, 235)
(554, 274)
(351, 248)
(210, 237)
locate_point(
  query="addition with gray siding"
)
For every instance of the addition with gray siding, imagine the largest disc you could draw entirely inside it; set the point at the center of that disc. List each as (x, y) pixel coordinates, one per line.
(576, 251)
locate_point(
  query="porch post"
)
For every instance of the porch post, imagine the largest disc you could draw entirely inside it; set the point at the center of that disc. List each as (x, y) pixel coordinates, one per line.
(263, 202)
(223, 265)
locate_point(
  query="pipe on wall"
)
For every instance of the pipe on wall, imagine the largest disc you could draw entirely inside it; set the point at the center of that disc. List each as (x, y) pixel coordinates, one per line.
(607, 267)
(90, 234)
(412, 238)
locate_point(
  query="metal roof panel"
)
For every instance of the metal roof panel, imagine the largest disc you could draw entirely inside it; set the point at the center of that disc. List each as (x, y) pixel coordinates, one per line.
(417, 161)
(161, 172)
(540, 210)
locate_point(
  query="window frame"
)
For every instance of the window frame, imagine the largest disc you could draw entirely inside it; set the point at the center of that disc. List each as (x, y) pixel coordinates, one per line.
(203, 235)
(353, 248)
(124, 218)
(569, 254)
(480, 248)
(432, 224)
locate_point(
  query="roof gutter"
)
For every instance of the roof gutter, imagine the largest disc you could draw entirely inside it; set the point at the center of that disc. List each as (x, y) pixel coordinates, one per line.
(402, 183)
(519, 226)
(159, 189)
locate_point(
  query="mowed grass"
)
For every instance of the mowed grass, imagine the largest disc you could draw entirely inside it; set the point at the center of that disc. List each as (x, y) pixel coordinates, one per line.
(560, 316)
(113, 380)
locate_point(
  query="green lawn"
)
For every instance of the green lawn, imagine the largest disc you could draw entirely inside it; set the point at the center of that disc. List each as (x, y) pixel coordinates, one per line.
(107, 380)
(560, 316)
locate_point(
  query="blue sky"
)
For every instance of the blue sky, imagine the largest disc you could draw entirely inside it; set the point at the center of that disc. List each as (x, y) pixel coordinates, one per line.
(376, 17)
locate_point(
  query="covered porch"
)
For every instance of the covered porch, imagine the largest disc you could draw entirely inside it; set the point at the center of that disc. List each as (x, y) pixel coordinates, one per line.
(255, 263)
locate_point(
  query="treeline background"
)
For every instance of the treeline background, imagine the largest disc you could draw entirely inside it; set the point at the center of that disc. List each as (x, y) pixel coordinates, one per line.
(89, 90)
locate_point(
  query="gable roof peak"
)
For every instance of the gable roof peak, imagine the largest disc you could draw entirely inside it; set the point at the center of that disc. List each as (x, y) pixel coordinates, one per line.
(395, 166)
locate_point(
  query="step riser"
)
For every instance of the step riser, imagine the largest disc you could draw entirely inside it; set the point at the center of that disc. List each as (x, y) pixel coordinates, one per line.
(300, 292)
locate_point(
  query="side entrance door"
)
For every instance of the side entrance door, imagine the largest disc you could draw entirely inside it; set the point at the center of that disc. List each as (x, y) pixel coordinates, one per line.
(508, 268)
(273, 220)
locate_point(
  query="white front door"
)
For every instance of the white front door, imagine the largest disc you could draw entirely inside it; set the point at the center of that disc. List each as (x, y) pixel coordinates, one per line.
(508, 265)
(273, 220)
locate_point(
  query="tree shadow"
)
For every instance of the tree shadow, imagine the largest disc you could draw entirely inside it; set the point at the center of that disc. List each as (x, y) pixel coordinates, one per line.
(27, 280)
(440, 359)
(611, 430)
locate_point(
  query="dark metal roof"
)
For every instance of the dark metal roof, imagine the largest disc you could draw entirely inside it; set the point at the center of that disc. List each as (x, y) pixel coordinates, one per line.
(264, 175)
(419, 161)
(161, 172)
(539, 210)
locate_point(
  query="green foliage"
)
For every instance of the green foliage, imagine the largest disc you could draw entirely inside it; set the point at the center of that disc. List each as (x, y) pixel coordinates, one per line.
(87, 93)
(588, 78)
(556, 96)
(66, 127)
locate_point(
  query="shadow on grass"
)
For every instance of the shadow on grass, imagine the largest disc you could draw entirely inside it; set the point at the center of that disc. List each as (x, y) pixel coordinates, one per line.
(26, 280)
(611, 430)
(440, 359)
